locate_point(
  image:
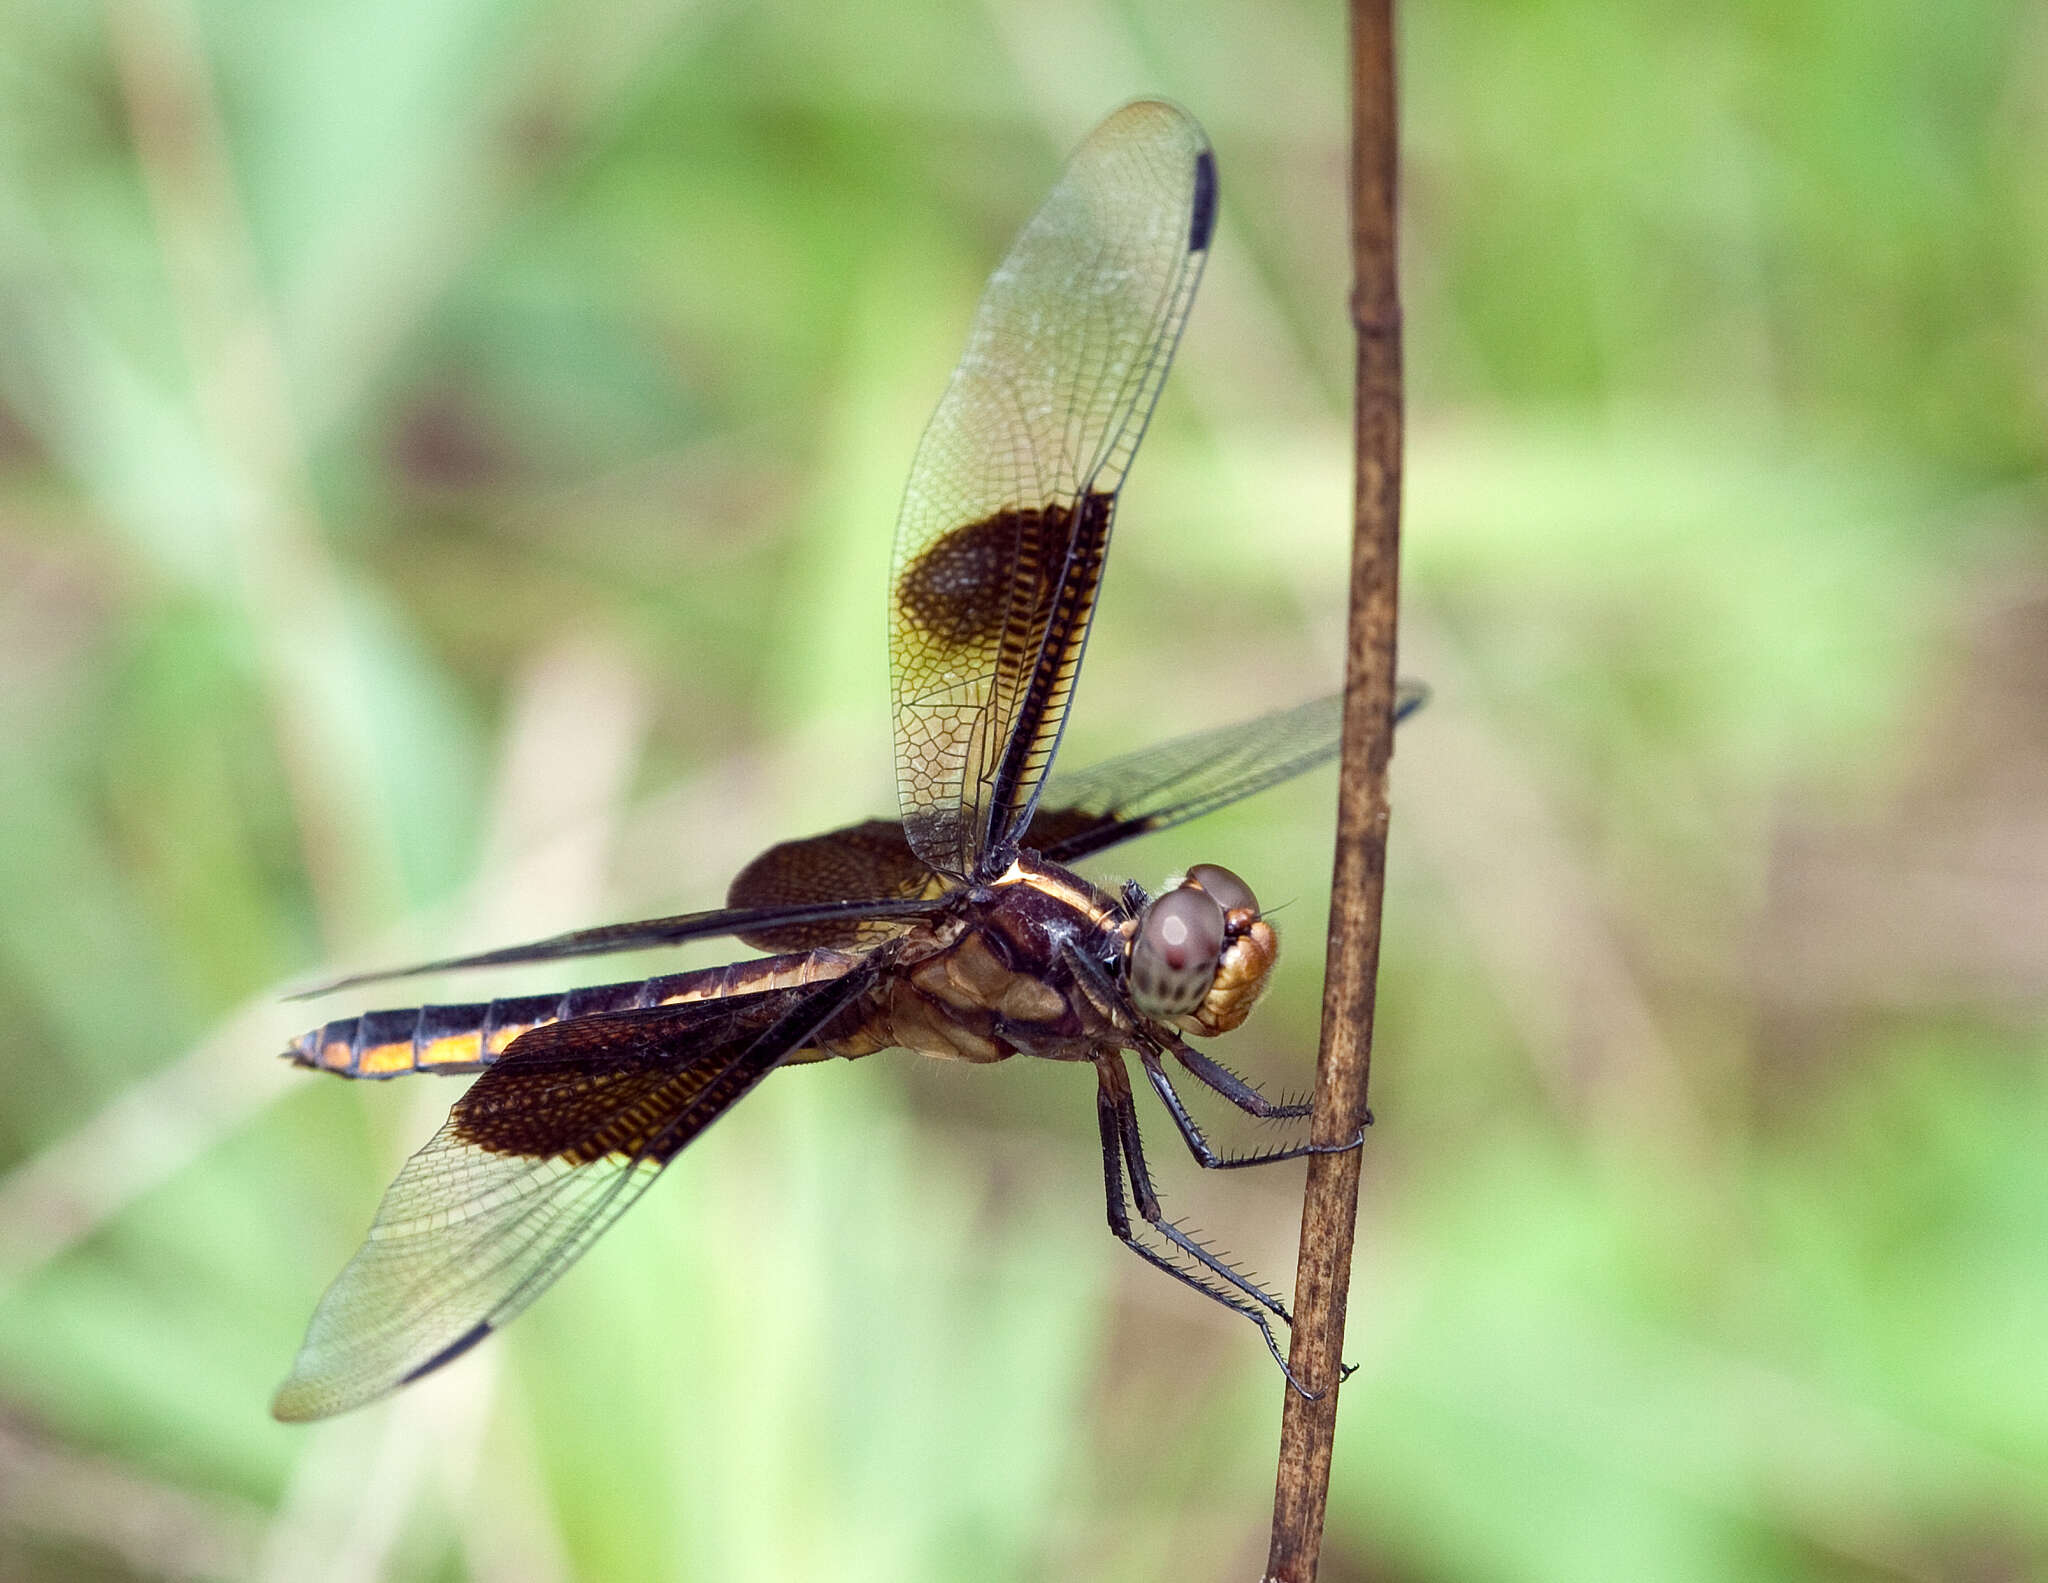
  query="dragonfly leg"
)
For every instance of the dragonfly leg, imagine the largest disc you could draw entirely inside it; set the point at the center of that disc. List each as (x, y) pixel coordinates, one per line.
(1122, 1154)
(1215, 1075)
(1206, 1154)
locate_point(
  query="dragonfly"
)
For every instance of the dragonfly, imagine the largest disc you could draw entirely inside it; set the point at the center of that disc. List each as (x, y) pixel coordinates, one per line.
(960, 930)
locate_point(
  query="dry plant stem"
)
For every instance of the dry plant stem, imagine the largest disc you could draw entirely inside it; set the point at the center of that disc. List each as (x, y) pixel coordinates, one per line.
(1330, 1211)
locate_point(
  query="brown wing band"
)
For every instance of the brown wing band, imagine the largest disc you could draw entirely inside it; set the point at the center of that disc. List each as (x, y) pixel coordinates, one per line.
(1041, 712)
(642, 1084)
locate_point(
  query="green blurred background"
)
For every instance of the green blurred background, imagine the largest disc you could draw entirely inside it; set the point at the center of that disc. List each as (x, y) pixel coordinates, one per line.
(448, 450)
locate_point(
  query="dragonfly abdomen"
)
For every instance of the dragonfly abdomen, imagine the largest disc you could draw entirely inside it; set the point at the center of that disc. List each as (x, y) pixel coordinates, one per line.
(452, 1040)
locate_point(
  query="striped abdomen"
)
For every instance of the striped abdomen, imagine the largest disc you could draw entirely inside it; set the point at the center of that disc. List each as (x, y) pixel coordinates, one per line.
(454, 1039)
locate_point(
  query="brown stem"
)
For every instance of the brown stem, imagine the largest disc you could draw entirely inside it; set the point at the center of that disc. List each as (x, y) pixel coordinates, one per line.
(1330, 1210)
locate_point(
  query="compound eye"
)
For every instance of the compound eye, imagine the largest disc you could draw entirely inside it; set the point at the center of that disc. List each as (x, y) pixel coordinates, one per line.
(1174, 957)
(1230, 892)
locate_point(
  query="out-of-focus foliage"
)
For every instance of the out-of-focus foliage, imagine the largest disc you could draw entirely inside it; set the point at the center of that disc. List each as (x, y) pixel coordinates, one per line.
(447, 457)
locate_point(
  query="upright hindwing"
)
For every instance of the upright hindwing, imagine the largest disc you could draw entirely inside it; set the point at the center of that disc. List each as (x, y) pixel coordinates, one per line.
(1006, 521)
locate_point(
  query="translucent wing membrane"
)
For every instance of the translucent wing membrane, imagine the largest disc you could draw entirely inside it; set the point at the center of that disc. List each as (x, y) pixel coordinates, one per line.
(1006, 519)
(1172, 782)
(548, 1148)
(857, 886)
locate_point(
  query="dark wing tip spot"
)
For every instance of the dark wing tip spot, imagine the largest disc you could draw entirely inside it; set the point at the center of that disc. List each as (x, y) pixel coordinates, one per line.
(451, 1352)
(1409, 696)
(1203, 225)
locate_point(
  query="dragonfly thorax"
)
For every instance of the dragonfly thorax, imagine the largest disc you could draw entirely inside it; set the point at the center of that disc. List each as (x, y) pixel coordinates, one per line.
(995, 976)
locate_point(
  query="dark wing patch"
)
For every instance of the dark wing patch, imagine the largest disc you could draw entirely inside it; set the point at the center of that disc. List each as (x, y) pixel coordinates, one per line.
(637, 1084)
(548, 1148)
(959, 592)
(1202, 224)
(1006, 519)
(867, 859)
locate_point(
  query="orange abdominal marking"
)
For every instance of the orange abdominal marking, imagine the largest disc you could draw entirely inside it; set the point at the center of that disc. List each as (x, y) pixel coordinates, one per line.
(382, 1060)
(457, 1049)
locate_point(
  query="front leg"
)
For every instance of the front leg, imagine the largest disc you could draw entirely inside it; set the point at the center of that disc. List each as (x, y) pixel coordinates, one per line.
(1215, 1075)
(1206, 1155)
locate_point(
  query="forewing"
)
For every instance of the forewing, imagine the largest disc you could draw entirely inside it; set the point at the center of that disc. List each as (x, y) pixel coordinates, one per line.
(1006, 519)
(851, 914)
(1172, 782)
(543, 1153)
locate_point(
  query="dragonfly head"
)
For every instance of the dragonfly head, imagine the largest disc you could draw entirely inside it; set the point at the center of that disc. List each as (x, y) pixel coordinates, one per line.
(1201, 954)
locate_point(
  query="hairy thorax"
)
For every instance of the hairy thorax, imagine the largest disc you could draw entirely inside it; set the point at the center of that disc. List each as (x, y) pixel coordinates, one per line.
(993, 979)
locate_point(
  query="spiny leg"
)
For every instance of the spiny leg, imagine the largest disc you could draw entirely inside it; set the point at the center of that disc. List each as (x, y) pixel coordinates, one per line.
(1206, 1154)
(1148, 1204)
(1116, 1117)
(1199, 1145)
(1215, 1075)
(1109, 1120)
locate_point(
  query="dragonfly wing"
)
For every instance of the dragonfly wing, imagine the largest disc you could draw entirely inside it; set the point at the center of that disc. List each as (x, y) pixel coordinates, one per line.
(852, 915)
(1005, 522)
(1172, 782)
(548, 1148)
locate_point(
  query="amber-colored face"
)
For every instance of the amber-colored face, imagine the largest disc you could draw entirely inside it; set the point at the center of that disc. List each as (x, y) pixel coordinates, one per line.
(1241, 977)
